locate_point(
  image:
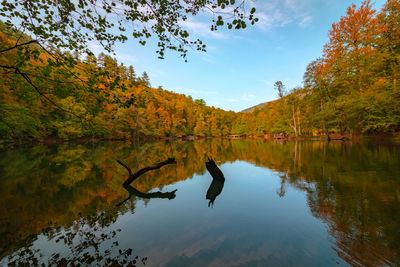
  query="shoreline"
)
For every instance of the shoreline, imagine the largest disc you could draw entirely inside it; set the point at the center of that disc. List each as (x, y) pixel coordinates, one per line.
(84, 140)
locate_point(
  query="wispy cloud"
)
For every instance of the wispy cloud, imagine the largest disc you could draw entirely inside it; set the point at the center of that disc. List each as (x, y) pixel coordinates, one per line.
(121, 57)
(277, 13)
(193, 92)
(267, 83)
(305, 21)
(202, 29)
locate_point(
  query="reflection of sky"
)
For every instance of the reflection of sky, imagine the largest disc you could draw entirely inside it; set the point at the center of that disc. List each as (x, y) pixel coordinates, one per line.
(248, 225)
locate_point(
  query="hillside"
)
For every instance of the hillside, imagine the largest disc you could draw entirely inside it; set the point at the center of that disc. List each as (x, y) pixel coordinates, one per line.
(66, 95)
(251, 109)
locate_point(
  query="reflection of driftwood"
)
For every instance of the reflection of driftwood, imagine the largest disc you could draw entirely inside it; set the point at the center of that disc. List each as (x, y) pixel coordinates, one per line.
(281, 136)
(132, 177)
(217, 183)
(134, 192)
(214, 190)
(340, 137)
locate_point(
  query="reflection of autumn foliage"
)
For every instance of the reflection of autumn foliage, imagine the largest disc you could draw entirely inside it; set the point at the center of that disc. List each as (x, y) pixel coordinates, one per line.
(60, 184)
(83, 243)
(353, 188)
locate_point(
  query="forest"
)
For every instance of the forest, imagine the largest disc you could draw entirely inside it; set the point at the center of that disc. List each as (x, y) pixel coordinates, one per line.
(352, 88)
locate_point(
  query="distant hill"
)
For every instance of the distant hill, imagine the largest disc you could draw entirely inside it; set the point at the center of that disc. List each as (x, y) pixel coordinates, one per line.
(253, 108)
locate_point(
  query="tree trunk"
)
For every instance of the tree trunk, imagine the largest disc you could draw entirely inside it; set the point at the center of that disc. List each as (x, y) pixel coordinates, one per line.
(294, 122)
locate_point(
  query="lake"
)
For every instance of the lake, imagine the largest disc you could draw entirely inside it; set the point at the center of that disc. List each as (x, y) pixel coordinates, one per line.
(306, 203)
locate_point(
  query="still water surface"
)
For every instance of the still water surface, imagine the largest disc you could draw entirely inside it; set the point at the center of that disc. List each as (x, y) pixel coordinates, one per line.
(293, 204)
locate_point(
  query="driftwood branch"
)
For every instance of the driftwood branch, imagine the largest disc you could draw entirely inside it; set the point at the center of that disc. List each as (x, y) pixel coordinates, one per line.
(134, 176)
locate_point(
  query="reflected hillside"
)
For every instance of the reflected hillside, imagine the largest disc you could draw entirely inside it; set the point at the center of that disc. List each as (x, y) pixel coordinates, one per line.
(354, 188)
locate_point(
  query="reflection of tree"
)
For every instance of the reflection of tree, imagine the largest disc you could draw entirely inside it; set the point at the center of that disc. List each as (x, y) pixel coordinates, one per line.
(87, 242)
(345, 190)
(282, 190)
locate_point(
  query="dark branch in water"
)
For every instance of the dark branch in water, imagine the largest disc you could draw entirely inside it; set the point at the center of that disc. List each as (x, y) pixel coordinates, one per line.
(213, 169)
(217, 183)
(134, 176)
(126, 167)
(134, 192)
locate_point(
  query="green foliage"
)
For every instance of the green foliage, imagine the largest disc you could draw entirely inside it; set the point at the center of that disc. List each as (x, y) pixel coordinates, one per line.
(73, 24)
(16, 122)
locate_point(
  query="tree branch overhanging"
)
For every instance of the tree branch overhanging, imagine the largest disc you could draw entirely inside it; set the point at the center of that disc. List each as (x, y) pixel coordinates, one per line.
(19, 45)
(28, 80)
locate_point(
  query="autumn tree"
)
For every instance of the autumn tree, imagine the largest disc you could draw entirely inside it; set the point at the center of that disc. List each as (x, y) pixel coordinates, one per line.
(280, 88)
(145, 79)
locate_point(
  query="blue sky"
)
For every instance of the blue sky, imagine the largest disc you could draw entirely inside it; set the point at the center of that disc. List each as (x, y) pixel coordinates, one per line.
(240, 67)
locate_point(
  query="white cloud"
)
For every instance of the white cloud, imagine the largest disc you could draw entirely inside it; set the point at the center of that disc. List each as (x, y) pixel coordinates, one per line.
(193, 92)
(202, 29)
(95, 48)
(305, 21)
(126, 58)
(277, 13)
(267, 83)
(121, 57)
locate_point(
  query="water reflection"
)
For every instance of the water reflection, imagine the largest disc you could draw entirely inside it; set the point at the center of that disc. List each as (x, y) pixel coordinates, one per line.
(87, 242)
(134, 192)
(354, 189)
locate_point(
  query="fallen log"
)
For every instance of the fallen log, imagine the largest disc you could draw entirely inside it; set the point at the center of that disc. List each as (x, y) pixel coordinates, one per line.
(339, 137)
(134, 176)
